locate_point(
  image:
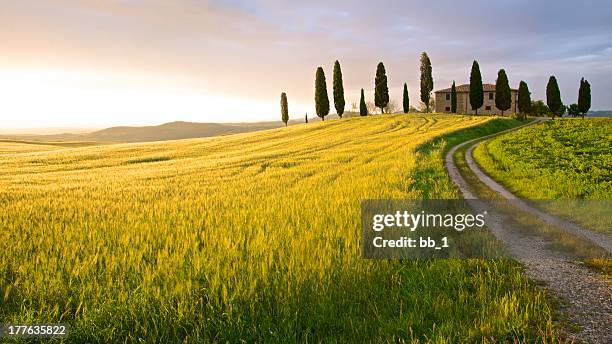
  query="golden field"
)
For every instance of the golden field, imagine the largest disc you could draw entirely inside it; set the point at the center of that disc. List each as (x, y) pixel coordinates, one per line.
(249, 237)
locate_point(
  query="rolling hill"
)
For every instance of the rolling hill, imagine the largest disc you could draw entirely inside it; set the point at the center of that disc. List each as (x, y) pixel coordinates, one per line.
(168, 131)
(163, 132)
(176, 130)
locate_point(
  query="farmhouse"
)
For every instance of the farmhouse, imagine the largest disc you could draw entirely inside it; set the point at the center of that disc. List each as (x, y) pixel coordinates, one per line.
(443, 100)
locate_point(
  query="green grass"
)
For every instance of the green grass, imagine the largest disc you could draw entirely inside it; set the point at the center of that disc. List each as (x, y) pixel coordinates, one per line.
(559, 239)
(560, 159)
(250, 237)
(564, 161)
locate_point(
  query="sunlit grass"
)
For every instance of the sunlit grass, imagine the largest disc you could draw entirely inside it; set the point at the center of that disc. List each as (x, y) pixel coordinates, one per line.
(247, 237)
(21, 146)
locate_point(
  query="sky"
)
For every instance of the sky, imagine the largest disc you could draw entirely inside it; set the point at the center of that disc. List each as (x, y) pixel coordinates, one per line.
(97, 63)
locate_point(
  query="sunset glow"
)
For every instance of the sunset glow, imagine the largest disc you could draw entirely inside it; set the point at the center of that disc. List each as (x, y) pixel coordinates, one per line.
(86, 98)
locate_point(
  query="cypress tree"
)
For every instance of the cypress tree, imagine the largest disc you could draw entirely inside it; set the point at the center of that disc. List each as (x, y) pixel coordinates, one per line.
(584, 97)
(321, 98)
(476, 91)
(553, 96)
(338, 89)
(503, 95)
(453, 98)
(284, 108)
(381, 91)
(426, 79)
(524, 99)
(405, 99)
(306, 117)
(363, 108)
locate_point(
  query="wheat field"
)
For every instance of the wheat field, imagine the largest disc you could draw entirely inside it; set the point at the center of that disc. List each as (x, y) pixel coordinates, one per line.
(251, 237)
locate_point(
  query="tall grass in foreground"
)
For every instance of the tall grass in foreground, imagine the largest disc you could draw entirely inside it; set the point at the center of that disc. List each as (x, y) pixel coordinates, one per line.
(249, 237)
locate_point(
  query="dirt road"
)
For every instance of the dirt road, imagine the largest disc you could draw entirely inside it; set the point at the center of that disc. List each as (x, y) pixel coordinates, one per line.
(586, 295)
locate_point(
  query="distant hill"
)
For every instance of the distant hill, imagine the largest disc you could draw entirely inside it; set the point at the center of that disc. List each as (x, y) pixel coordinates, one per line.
(601, 113)
(175, 131)
(167, 131)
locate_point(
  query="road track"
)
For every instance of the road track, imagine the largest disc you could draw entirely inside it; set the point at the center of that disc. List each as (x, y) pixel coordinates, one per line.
(586, 294)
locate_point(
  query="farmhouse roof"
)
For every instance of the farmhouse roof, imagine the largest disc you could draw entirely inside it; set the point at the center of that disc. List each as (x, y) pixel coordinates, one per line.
(466, 88)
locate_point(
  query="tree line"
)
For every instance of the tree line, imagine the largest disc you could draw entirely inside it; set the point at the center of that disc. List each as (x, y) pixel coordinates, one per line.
(381, 92)
(503, 94)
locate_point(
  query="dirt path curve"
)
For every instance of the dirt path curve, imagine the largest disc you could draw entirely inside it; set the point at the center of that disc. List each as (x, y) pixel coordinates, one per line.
(586, 295)
(452, 169)
(600, 239)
